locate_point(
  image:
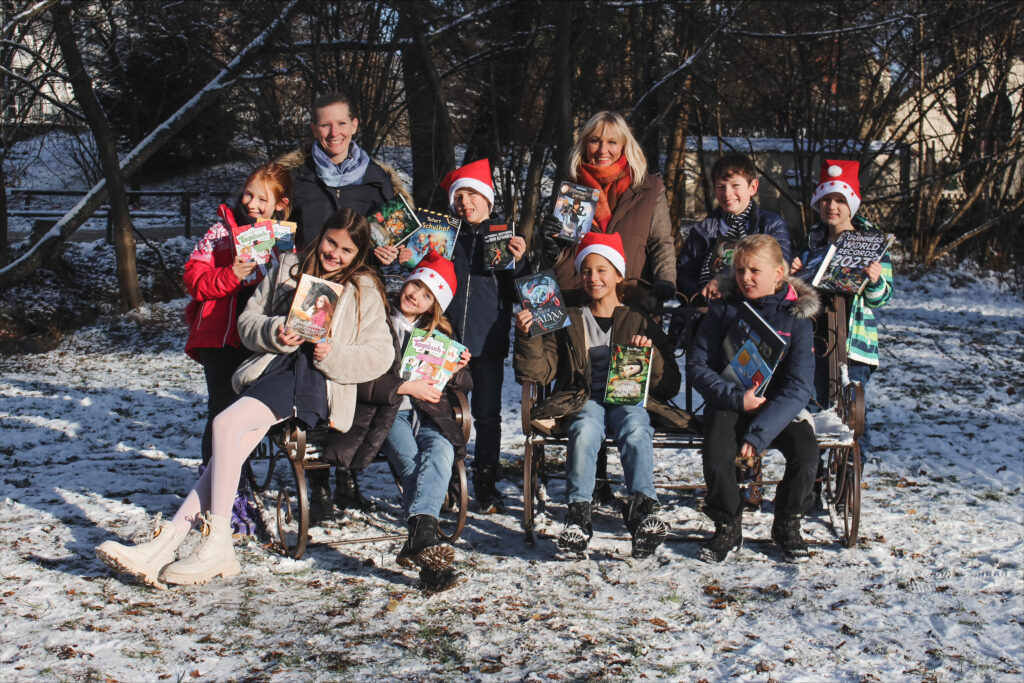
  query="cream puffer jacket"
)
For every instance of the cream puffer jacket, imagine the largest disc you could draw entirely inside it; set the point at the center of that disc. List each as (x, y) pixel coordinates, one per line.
(361, 348)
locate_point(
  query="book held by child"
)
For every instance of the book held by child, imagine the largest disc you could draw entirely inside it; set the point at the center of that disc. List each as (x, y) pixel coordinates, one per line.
(841, 266)
(313, 308)
(437, 233)
(393, 223)
(433, 356)
(284, 236)
(496, 253)
(629, 374)
(753, 348)
(574, 209)
(539, 293)
(256, 243)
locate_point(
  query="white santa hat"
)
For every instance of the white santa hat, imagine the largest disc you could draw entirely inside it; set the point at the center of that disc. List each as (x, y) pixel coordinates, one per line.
(838, 175)
(607, 245)
(475, 175)
(438, 274)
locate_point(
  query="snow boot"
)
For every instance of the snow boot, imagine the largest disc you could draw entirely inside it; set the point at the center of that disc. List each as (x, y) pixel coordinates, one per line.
(213, 556)
(423, 548)
(145, 560)
(786, 532)
(578, 530)
(346, 492)
(437, 580)
(728, 537)
(487, 495)
(646, 528)
(318, 486)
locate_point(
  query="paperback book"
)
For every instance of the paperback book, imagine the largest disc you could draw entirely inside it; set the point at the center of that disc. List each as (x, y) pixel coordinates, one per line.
(629, 374)
(284, 236)
(430, 356)
(496, 253)
(256, 243)
(842, 265)
(313, 308)
(393, 223)
(539, 294)
(574, 209)
(753, 348)
(437, 233)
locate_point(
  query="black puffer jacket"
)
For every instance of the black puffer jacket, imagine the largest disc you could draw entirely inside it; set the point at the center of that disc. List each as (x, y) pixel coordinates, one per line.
(377, 405)
(481, 311)
(313, 201)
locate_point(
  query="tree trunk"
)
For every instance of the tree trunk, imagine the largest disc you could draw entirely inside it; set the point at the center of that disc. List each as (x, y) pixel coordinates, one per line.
(26, 264)
(106, 145)
(563, 90)
(675, 159)
(430, 128)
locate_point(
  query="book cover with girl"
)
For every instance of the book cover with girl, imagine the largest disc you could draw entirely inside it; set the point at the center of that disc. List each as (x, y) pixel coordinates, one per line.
(313, 308)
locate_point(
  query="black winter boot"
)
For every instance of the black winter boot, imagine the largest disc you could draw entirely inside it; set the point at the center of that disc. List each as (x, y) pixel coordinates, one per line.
(486, 492)
(578, 531)
(423, 548)
(437, 580)
(318, 483)
(346, 492)
(786, 532)
(646, 528)
(728, 537)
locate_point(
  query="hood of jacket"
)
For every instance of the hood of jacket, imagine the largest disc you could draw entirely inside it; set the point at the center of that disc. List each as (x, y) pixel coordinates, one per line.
(297, 157)
(806, 303)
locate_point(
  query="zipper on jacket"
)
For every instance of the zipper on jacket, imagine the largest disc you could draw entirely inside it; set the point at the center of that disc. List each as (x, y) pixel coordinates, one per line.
(469, 279)
(231, 316)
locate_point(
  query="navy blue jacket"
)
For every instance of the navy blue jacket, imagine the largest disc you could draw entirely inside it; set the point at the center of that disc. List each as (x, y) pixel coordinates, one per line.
(704, 236)
(481, 311)
(790, 312)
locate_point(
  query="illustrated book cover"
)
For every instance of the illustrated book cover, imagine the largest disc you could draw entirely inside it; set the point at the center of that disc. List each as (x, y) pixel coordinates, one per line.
(539, 293)
(629, 374)
(393, 223)
(437, 233)
(574, 209)
(313, 308)
(256, 243)
(496, 253)
(753, 348)
(843, 263)
(428, 356)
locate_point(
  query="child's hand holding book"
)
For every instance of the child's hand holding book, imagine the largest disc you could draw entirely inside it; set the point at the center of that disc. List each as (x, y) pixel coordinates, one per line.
(751, 401)
(421, 390)
(288, 338)
(243, 267)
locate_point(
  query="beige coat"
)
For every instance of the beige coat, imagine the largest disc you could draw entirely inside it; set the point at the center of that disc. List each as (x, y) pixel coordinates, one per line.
(361, 347)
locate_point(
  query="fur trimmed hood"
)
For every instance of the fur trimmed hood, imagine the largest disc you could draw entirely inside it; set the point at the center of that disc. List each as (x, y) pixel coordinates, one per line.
(297, 157)
(807, 302)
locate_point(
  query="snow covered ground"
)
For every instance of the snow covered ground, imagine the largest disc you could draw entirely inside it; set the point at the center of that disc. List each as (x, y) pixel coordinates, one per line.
(103, 431)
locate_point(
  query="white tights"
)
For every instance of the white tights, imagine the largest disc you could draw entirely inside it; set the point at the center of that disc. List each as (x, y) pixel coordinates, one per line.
(236, 431)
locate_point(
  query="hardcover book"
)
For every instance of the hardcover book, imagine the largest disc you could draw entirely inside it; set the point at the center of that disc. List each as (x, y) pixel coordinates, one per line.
(629, 374)
(256, 243)
(753, 348)
(843, 263)
(574, 209)
(284, 236)
(539, 293)
(393, 223)
(429, 356)
(313, 308)
(496, 253)
(437, 233)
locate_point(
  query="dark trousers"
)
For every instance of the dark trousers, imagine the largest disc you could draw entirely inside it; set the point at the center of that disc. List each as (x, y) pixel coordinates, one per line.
(723, 436)
(219, 365)
(485, 404)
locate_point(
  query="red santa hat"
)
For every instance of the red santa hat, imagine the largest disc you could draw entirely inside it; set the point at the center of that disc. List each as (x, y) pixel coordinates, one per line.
(475, 175)
(838, 175)
(438, 274)
(608, 245)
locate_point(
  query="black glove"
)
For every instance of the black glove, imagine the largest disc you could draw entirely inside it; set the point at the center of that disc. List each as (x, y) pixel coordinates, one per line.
(551, 242)
(663, 290)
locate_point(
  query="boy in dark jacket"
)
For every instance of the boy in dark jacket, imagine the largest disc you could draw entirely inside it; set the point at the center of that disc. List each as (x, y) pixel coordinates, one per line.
(481, 314)
(708, 247)
(738, 422)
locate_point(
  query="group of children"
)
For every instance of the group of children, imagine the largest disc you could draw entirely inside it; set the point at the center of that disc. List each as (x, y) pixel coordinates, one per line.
(258, 373)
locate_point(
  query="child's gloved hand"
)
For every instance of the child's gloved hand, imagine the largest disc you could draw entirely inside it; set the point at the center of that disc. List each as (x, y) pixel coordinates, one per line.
(663, 290)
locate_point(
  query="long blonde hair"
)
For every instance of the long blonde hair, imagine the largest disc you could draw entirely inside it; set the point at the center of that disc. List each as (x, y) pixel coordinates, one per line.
(631, 149)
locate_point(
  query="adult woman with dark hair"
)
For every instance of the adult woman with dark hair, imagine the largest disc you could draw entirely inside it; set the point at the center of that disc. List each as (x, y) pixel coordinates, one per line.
(335, 173)
(632, 203)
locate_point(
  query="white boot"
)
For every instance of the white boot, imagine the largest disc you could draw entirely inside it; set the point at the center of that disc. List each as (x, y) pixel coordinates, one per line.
(145, 560)
(214, 555)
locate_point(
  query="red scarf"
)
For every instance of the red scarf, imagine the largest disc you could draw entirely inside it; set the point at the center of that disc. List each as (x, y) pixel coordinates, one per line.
(612, 180)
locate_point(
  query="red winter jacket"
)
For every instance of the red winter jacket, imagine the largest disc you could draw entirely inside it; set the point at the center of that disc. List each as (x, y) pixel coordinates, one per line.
(212, 315)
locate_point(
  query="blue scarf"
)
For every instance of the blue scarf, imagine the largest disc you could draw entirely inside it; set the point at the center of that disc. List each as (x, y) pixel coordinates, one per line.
(348, 172)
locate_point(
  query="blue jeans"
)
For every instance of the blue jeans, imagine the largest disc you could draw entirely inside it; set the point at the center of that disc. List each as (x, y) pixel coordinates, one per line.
(634, 436)
(861, 372)
(423, 461)
(485, 404)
